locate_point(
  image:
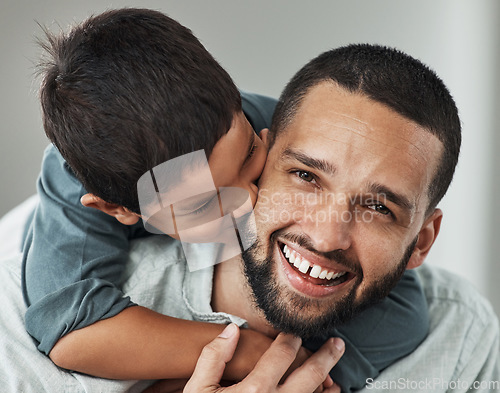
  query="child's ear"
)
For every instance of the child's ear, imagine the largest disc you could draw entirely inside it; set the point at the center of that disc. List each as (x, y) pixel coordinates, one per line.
(426, 238)
(121, 213)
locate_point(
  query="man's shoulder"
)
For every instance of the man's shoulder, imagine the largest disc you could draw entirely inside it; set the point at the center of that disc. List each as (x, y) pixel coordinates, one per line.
(158, 276)
(463, 324)
(462, 344)
(451, 297)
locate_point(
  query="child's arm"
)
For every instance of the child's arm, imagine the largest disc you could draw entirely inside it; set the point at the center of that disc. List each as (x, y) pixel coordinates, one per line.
(73, 258)
(381, 334)
(139, 343)
(73, 263)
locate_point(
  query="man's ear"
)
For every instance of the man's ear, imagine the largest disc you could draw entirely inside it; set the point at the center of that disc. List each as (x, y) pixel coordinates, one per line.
(264, 135)
(121, 213)
(426, 238)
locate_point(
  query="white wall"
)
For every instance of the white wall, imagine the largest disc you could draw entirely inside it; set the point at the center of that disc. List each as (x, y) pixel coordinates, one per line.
(262, 43)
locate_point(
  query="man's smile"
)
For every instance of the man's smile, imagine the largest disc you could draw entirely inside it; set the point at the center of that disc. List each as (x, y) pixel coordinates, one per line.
(311, 275)
(306, 267)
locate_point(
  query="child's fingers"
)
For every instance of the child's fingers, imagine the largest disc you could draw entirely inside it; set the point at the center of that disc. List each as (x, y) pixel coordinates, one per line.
(212, 361)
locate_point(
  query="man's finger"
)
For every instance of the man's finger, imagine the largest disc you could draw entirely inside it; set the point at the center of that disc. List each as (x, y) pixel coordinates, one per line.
(280, 355)
(333, 389)
(315, 369)
(213, 359)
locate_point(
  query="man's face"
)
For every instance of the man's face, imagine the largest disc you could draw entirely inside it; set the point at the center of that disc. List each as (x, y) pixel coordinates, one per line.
(341, 206)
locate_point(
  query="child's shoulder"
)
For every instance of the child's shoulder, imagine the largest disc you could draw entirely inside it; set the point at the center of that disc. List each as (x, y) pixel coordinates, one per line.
(258, 109)
(55, 169)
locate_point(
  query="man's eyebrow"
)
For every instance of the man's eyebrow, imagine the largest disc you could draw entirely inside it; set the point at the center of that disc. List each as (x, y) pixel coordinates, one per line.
(315, 163)
(396, 198)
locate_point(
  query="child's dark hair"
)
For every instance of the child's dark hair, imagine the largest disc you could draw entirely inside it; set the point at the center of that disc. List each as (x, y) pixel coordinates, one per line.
(393, 78)
(127, 90)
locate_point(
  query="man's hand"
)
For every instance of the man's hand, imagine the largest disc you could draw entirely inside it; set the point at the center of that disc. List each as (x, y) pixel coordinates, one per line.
(269, 370)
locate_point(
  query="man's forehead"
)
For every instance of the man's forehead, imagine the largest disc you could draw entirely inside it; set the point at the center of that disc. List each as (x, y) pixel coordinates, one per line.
(330, 114)
(361, 136)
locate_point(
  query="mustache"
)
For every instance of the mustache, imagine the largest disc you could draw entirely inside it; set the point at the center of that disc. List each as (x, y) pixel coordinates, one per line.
(337, 256)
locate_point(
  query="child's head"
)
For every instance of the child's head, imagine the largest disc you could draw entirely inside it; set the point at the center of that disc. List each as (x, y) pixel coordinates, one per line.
(129, 89)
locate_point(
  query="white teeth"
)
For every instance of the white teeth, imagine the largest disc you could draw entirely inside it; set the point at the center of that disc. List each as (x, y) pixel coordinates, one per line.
(286, 250)
(315, 271)
(297, 260)
(303, 266)
(337, 275)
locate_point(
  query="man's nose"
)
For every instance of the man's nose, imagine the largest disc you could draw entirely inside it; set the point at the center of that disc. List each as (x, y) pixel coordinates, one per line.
(329, 226)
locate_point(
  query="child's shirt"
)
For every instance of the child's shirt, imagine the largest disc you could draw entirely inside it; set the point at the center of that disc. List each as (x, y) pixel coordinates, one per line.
(73, 260)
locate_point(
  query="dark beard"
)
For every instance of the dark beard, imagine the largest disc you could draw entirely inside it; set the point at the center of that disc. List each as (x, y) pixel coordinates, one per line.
(284, 314)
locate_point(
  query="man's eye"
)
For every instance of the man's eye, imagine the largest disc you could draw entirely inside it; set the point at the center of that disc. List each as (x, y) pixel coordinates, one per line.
(305, 176)
(380, 209)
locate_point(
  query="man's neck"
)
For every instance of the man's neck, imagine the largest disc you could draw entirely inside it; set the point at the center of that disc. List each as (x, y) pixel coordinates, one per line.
(231, 294)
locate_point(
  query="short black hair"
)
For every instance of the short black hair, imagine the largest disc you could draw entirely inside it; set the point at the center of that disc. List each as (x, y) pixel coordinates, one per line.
(127, 90)
(390, 77)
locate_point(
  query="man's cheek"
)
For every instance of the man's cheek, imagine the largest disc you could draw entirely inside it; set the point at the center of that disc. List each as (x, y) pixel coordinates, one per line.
(264, 218)
(262, 197)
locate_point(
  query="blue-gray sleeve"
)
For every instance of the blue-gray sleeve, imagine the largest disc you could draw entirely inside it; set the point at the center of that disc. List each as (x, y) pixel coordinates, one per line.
(380, 335)
(258, 109)
(73, 257)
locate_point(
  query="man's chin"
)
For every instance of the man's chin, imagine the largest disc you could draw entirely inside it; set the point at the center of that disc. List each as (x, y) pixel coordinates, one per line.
(289, 311)
(318, 312)
(306, 318)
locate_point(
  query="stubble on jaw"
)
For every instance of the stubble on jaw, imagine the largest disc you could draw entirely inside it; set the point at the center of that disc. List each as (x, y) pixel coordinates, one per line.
(304, 317)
